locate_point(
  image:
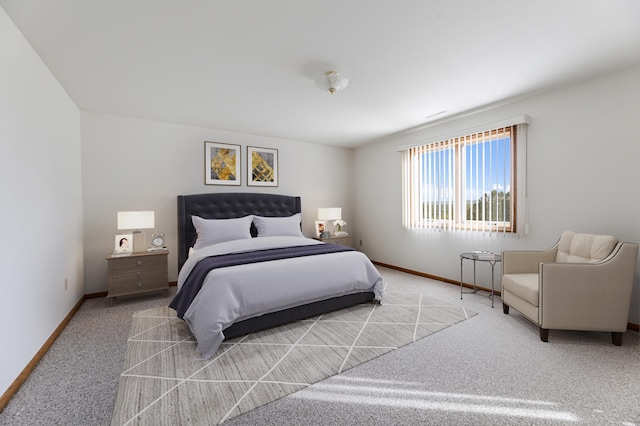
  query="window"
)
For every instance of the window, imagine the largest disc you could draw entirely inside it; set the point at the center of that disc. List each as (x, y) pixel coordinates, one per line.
(466, 182)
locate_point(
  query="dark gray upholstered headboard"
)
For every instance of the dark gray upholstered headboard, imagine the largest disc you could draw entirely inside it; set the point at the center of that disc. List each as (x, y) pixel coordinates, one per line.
(227, 206)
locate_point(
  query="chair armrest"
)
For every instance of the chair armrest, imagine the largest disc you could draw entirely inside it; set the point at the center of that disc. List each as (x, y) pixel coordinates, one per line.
(526, 262)
(588, 296)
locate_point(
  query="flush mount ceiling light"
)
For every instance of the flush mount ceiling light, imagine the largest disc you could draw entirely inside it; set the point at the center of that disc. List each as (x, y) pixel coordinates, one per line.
(336, 81)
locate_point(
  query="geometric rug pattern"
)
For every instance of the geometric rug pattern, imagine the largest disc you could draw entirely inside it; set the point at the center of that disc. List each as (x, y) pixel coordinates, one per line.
(165, 382)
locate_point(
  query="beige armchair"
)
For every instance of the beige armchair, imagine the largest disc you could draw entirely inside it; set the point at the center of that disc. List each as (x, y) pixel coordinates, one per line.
(584, 282)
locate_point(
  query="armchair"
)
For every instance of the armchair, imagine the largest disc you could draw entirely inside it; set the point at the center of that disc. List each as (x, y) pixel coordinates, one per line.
(583, 282)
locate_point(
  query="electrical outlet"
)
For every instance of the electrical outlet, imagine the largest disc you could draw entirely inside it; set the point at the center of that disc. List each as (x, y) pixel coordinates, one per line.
(360, 243)
(66, 283)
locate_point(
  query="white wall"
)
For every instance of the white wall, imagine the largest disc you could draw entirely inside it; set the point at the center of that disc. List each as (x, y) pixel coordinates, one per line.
(583, 156)
(41, 214)
(133, 164)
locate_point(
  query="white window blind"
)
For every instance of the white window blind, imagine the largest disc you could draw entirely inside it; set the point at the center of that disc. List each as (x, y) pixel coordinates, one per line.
(465, 183)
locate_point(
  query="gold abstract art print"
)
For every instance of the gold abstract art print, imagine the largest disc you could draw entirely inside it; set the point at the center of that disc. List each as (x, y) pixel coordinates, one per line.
(222, 164)
(262, 166)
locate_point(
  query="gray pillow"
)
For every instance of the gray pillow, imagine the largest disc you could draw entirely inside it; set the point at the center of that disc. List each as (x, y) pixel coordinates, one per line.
(214, 231)
(278, 226)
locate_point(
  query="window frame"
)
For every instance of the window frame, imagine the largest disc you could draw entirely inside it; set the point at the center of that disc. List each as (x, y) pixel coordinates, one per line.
(508, 213)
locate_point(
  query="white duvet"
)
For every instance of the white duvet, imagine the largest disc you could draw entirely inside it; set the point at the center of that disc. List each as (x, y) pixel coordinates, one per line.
(235, 293)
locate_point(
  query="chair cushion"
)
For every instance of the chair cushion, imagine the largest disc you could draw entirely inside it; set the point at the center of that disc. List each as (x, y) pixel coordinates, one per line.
(574, 247)
(525, 286)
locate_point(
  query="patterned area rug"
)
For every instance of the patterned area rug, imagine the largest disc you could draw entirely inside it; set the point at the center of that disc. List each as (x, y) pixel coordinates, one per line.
(165, 382)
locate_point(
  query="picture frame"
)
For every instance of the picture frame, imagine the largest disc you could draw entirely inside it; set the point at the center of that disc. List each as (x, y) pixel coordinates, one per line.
(221, 163)
(262, 166)
(123, 244)
(320, 228)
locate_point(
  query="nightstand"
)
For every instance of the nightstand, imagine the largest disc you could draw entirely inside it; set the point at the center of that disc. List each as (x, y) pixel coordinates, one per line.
(345, 240)
(138, 273)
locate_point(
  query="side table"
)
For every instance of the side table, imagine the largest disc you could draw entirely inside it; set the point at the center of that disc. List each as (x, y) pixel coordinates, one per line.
(491, 258)
(138, 273)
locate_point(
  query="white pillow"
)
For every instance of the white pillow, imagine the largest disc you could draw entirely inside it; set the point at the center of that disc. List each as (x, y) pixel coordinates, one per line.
(214, 231)
(278, 226)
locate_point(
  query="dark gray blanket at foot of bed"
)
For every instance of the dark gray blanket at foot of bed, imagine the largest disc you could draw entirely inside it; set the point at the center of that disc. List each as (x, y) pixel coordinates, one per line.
(194, 281)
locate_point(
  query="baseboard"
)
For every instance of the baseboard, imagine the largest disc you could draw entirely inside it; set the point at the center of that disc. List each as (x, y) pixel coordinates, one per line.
(95, 295)
(435, 277)
(13, 388)
(630, 326)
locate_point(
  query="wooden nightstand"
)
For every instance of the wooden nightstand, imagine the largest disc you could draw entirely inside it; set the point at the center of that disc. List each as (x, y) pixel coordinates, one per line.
(345, 240)
(138, 273)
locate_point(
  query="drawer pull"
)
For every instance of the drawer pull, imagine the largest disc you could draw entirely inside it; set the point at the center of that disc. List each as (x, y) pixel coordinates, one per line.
(139, 262)
(139, 274)
(139, 284)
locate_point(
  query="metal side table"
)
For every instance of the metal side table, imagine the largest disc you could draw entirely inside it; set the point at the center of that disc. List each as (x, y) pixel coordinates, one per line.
(491, 258)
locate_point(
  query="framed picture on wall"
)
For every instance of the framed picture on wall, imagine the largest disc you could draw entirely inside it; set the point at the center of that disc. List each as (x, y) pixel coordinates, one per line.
(123, 244)
(221, 164)
(262, 166)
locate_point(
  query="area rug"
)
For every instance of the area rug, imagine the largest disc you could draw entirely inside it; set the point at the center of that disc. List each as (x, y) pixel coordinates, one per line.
(165, 382)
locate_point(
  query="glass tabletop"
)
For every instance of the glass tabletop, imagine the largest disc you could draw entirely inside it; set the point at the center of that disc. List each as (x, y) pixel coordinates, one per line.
(481, 256)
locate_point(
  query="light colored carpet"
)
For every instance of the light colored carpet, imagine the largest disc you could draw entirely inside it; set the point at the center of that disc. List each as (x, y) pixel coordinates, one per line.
(164, 381)
(489, 370)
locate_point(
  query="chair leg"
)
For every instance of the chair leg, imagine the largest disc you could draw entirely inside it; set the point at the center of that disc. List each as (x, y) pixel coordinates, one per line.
(616, 338)
(544, 334)
(505, 308)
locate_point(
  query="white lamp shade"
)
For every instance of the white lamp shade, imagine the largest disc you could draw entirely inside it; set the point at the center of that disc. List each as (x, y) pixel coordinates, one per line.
(136, 220)
(329, 213)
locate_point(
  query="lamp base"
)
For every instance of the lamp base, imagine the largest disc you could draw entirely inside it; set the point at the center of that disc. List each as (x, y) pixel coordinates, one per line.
(325, 234)
(139, 241)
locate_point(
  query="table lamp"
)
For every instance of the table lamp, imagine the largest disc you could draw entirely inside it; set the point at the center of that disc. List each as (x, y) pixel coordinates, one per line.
(329, 214)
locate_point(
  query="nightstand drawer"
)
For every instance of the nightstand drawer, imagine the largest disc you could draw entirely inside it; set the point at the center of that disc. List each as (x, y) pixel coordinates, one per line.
(124, 287)
(146, 278)
(139, 264)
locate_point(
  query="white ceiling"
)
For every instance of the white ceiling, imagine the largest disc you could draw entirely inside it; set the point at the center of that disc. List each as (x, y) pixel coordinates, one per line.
(251, 66)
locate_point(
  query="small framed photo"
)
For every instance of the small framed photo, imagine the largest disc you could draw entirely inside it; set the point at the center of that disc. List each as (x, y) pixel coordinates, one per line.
(319, 227)
(221, 164)
(262, 166)
(123, 244)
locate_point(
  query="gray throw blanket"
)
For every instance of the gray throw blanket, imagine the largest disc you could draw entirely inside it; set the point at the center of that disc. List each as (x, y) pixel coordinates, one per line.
(194, 281)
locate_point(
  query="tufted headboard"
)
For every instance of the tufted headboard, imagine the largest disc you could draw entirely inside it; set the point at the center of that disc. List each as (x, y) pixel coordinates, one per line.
(227, 206)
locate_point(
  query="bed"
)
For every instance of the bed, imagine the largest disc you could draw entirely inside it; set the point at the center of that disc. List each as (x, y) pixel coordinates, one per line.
(243, 267)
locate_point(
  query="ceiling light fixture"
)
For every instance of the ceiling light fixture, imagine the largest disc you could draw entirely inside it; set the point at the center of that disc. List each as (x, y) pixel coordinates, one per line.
(336, 81)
